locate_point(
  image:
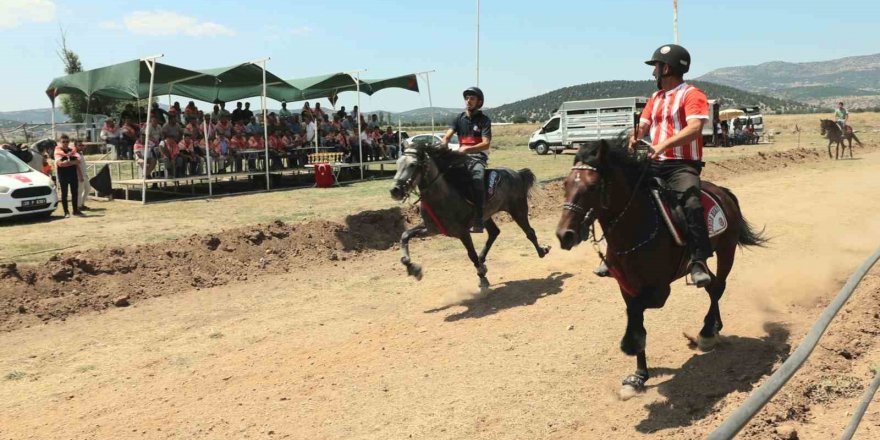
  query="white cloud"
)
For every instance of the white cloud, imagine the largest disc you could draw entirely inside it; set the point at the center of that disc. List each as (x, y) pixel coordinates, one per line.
(166, 23)
(301, 31)
(17, 12)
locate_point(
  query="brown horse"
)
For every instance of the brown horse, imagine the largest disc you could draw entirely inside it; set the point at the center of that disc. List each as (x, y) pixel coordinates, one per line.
(609, 184)
(832, 132)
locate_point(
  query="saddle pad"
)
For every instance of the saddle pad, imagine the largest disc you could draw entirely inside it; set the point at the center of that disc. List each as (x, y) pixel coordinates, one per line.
(716, 221)
(491, 178)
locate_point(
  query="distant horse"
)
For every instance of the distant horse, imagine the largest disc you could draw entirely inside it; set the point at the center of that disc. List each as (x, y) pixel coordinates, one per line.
(832, 132)
(608, 184)
(431, 169)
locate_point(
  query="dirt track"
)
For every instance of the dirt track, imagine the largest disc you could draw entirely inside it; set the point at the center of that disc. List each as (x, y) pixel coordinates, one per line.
(332, 341)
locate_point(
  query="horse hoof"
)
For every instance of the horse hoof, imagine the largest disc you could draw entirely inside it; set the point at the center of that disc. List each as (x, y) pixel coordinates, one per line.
(544, 251)
(628, 392)
(484, 285)
(701, 342)
(414, 270)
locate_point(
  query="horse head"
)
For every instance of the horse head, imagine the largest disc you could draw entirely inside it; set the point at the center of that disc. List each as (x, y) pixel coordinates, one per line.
(411, 167)
(827, 126)
(584, 194)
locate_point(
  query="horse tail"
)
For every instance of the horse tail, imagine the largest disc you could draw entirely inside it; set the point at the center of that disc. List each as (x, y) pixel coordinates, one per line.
(747, 234)
(857, 139)
(528, 178)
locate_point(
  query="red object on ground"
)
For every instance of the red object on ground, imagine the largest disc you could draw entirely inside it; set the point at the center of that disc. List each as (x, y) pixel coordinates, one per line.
(323, 175)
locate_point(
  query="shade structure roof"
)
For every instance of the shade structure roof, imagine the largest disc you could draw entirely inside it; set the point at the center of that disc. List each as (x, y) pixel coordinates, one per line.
(131, 80)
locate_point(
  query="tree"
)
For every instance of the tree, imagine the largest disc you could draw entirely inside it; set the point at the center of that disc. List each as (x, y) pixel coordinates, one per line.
(72, 105)
(520, 119)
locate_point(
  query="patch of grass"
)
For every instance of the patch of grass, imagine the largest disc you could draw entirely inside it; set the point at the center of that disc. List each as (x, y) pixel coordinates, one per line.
(15, 375)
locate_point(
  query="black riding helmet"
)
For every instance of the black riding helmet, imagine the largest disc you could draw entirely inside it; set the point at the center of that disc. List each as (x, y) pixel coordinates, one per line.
(676, 57)
(475, 91)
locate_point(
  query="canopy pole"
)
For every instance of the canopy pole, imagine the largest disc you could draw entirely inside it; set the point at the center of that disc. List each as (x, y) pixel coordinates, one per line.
(357, 82)
(478, 43)
(208, 162)
(430, 102)
(54, 135)
(151, 65)
(262, 64)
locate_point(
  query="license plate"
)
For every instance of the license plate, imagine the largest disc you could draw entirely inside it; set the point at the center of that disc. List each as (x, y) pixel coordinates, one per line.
(32, 202)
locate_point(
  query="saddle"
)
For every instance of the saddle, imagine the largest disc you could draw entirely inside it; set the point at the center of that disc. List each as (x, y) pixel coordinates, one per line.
(673, 213)
(460, 180)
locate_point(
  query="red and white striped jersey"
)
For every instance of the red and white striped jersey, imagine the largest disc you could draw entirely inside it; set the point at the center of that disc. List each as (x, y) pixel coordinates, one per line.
(667, 113)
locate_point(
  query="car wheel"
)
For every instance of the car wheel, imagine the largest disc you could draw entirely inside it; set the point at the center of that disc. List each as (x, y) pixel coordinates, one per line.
(542, 148)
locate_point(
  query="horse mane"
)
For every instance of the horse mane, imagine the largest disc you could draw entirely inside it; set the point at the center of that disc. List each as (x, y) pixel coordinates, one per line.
(444, 158)
(617, 155)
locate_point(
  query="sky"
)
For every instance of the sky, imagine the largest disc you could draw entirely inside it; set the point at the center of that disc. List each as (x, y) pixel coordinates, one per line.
(526, 47)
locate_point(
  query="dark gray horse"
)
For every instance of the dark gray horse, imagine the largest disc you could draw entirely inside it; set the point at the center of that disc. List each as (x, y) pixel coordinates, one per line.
(433, 169)
(832, 132)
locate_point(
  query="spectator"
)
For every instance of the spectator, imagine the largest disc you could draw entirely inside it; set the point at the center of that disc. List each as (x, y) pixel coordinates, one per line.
(237, 114)
(294, 124)
(223, 127)
(159, 113)
(374, 122)
(67, 172)
(340, 115)
(247, 114)
(128, 113)
(348, 124)
(190, 112)
(284, 112)
(84, 186)
(141, 154)
(392, 142)
(311, 129)
(355, 113)
(190, 159)
(253, 128)
(112, 135)
(215, 114)
(175, 111)
(254, 143)
(171, 159)
(306, 111)
(220, 152)
(155, 131)
(317, 112)
(223, 111)
(236, 145)
(172, 128)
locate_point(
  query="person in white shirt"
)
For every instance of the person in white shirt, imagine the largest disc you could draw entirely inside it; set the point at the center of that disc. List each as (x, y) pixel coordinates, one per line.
(111, 134)
(311, 129)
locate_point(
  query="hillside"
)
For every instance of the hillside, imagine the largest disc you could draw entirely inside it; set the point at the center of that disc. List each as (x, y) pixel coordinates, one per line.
(34, 116)
(540, 107)
(817, 83)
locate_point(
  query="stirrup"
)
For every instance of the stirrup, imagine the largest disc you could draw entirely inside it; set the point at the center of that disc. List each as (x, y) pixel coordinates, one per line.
(703, 275)
(602, 270)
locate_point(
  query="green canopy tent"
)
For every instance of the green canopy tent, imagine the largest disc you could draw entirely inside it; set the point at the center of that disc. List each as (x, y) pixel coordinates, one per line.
(330, 85)
(135, 79)
(236, 82)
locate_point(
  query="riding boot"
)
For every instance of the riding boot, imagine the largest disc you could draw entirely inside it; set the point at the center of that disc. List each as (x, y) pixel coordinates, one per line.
(477, 193)
(700, 246)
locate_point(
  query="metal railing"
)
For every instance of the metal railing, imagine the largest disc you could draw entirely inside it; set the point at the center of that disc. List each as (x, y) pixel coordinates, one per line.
(759, 398)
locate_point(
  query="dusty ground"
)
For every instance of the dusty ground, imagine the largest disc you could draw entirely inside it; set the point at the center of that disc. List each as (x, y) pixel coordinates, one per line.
(326, 338)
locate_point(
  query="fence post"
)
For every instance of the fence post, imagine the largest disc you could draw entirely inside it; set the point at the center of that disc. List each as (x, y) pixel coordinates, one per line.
(27, 138)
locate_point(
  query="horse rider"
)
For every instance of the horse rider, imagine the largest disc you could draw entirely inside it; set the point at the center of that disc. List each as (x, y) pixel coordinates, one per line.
(675, 115)
(842, 117)
(474, 130)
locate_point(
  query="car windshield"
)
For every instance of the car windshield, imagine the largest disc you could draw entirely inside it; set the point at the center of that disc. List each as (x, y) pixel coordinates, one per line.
(9, 164)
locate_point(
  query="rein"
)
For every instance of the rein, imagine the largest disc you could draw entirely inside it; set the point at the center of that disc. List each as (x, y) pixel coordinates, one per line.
(574, 207)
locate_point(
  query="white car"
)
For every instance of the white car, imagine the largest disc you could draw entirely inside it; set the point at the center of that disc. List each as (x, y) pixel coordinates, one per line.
(24, 190)
(453, 143)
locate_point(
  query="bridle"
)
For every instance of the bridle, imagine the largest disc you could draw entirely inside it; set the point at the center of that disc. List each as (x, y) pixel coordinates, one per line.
(589, 220)
(421, 167)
